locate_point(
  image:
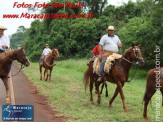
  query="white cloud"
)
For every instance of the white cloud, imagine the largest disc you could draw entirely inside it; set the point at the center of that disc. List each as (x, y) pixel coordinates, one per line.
(6, 7)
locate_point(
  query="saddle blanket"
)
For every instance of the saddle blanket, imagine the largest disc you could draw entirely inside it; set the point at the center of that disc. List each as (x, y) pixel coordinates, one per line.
(108, 64)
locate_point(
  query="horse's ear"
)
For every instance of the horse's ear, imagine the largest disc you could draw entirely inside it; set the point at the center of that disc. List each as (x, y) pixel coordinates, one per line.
(53, 51)
(21, 48)
(133, 45)
(139, 45)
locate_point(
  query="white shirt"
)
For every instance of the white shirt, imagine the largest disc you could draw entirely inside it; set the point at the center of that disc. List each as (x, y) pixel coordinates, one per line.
(46, 51)
(4, 41)
(110, 43)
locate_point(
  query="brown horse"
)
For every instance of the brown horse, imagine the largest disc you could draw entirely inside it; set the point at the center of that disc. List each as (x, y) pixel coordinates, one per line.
(117, 75)
(6, 58)
(151, 87)
(48, 64)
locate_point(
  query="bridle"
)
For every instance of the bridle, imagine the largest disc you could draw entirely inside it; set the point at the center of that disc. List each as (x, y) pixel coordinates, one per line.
(55, 54)
(138, 58)
(21, 65)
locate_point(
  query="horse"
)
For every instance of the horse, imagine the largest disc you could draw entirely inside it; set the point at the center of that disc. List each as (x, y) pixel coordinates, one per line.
(6, 58)
(48, 64)
(118, 74)
(151, 87)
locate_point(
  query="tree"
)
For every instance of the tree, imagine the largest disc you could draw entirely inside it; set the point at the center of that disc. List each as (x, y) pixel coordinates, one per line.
(19, 37)
(95, 6)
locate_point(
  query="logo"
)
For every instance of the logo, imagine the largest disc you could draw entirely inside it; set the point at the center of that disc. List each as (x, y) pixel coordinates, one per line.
(17, 112)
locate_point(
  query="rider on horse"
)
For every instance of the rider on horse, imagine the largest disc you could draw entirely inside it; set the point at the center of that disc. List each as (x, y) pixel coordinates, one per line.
(4, 41)
(110, 44)
(45, 52)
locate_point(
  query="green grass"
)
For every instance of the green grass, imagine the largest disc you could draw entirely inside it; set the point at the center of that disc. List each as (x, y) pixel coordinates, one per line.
(66, 94)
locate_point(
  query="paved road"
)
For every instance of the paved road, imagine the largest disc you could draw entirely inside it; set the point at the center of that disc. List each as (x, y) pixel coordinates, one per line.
(26, 94)
(2, 97)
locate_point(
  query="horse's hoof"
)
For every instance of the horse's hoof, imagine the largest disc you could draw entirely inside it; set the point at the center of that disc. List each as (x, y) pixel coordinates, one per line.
(126, 110)
(98, 101)
(145, 118)
(7, 101)
(92, 102)
(106, 95)
(110, 106)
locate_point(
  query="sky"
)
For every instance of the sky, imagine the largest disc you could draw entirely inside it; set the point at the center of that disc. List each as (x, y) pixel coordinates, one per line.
(6, 7)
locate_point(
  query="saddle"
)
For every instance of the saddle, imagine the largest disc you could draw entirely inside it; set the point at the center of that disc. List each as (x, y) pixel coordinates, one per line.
(108, 64)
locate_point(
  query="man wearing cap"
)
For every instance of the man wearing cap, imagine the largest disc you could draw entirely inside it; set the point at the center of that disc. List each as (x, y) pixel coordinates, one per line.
(4, 41)
(45, 52)
(110, 43)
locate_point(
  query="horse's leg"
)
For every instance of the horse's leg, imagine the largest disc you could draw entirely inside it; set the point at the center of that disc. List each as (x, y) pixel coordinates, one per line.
(91, 88)
(114, 96)
(147, 98)
(102, 88)
(5, 80)
(98, 92)
(40, 67)
(106, 95)
(162, 98)
(122, 95)
(46, 75)
(50, 75)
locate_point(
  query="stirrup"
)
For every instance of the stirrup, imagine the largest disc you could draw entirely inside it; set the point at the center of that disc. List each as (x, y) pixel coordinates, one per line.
(100, 79)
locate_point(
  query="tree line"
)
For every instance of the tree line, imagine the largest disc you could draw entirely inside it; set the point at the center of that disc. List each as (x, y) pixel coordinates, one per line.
(138, 22)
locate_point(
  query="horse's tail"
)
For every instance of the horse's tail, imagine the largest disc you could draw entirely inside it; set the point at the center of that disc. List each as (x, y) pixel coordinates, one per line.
(87, 75)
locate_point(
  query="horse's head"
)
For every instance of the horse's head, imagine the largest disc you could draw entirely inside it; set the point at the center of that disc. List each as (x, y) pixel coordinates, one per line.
(21, 57)
(55, 53)
(136, 54)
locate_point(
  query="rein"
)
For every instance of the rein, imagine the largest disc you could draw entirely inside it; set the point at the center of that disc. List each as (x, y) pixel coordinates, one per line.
(22, 67)
(133, 74)
(133, 63)
(127, 60)
(50, 64)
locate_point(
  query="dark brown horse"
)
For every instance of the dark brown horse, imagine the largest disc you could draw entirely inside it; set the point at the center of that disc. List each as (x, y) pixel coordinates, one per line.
(117, 75)
(154, 81)
(48, 64)
(6, 58)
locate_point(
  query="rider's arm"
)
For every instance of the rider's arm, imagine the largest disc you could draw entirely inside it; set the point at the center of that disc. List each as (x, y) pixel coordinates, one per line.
(43, 52)
(100, 51)
(120, 46)
(4, 46)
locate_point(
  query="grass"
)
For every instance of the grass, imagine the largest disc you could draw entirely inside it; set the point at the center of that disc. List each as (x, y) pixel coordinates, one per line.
(66, 94)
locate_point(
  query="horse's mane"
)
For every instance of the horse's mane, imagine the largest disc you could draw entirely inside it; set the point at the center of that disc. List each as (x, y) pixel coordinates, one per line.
(124, 55)
(6, 54)
(127, 52)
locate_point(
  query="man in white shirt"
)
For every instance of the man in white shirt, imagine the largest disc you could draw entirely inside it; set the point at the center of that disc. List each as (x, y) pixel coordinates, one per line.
(110, 43)
(45, 52)
(4, 41)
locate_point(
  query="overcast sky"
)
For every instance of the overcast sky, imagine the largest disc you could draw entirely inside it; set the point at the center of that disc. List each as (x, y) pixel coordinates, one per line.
(6, 7)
